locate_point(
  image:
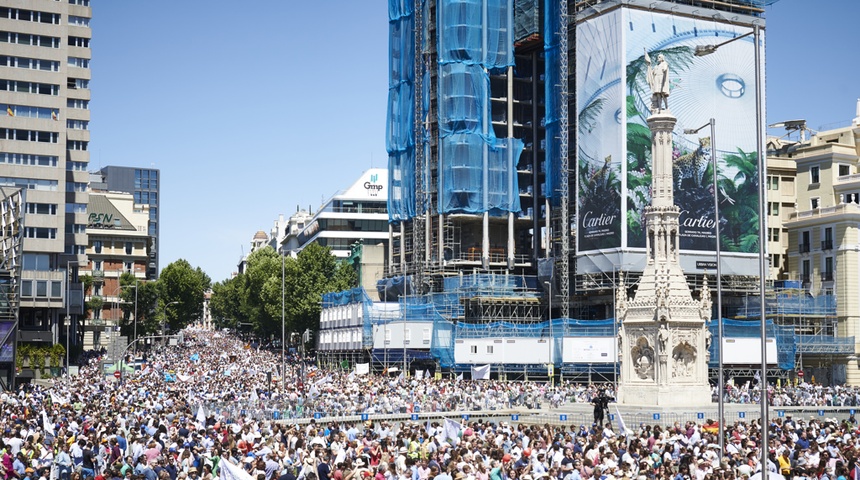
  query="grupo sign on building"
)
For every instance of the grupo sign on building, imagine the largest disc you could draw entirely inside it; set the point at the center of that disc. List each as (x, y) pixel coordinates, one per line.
(614, 141)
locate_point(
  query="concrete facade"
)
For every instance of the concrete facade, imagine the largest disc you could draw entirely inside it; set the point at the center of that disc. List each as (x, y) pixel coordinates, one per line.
(44, 87)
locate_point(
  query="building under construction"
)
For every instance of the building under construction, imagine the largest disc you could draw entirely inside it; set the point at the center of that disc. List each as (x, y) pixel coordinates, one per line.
(519, 170)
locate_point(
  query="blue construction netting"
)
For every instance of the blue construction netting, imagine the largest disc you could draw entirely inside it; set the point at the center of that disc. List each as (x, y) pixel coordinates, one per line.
(552, 87)
(786, 346)
(355, 295)
(786, 303)
(477, 170)
(399, 138)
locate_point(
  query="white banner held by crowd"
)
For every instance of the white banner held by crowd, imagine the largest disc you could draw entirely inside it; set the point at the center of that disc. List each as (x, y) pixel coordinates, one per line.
(480, 372)
(362, 368)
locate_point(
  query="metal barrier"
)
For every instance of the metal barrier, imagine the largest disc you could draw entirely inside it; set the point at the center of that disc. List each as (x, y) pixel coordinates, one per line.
(568, 415)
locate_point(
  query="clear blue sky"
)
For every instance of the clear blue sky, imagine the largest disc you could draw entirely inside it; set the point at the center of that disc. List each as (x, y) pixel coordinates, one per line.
(250, 109)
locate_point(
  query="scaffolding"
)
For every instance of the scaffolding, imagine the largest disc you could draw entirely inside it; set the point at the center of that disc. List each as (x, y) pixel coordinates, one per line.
(11, 218)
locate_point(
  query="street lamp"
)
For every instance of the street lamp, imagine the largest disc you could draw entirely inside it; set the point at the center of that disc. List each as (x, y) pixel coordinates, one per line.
(68, 310)
(703, 50)
(549, 318)
(135, 310)
(720, 386)
(283, 323)
(163, 324)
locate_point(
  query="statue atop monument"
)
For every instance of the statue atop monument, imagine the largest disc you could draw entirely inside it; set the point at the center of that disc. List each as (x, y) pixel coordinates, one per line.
(658, 80)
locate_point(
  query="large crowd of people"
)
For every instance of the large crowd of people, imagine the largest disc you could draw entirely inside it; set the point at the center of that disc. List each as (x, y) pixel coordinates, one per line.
(170, 420)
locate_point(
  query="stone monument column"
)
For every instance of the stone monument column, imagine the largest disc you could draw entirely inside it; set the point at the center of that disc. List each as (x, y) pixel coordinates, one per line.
(663, 331)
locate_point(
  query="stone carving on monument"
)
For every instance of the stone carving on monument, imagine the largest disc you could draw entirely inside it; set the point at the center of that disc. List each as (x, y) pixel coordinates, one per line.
(662, 326)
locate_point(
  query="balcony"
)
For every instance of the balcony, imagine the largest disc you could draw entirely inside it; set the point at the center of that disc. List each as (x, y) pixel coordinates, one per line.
(826, 276)
(827, 244)
(803, 248)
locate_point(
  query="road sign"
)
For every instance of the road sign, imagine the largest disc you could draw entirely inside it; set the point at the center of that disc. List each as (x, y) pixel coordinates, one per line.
(851, 412)
(117, 374)
(317, 415)
(780, 413)
(700, 415)
(562, 418)
(414, 417)
(656, 416)
(821, 413)
(465, 417)
(515, 418)
(364, 417)
(742, 414)
(611, 417)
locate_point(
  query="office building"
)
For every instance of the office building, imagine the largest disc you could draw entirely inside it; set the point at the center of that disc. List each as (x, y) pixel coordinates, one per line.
(143, 184)
(44, 88)
(119, 243)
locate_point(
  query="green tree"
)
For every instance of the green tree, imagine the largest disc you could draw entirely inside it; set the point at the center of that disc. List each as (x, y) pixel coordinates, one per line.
(141, 298)
(180, 295)
(260, 292)
(225, 305)
(315, 272)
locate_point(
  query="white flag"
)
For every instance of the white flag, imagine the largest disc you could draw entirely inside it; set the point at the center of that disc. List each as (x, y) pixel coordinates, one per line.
(254, 396)
(480, 372)
(622, 427)
(350, 377)
(228, 471)
(323, 380)
(419, 374)
(201, 416)
(452, 429)
(46, 424)
(460, 377)
(429, 429)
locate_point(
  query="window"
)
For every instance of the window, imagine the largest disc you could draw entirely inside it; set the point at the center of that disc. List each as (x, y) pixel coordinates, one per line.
(815, 175)
(773, 182)
(76, 145)
(844, 170)
(473, 349)
(76, 186)
(97, 246)
(29, 87)
(76, 83)
(36, 261)
(827, 274)
(78, 124)
(490, 349)
(29, 15)
(79, 21)
(78, 103)
(29, 160)
(76, 208)
(773, 234)
(40, 232)
(79, 42)
(30, 112)
(773, 209)
(41, 288)
(806, 271)
(41, 208)
(827, 235)
(29, 183)
(78, 228)
(76, 166)
(26, 288)
(425, 336)
(83, 3)
(129, 266)
(804, 242)
(29, 63)
(129, 248)
(28, 39)
(28, 135)
(79, 62)
(813, 202)
(56, 289)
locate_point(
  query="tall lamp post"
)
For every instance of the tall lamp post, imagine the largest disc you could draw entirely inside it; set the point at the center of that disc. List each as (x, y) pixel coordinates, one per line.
(549, 321)
(283, 322)
(702, 50)
(68, 309)
(135, 312)
(720, 385)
